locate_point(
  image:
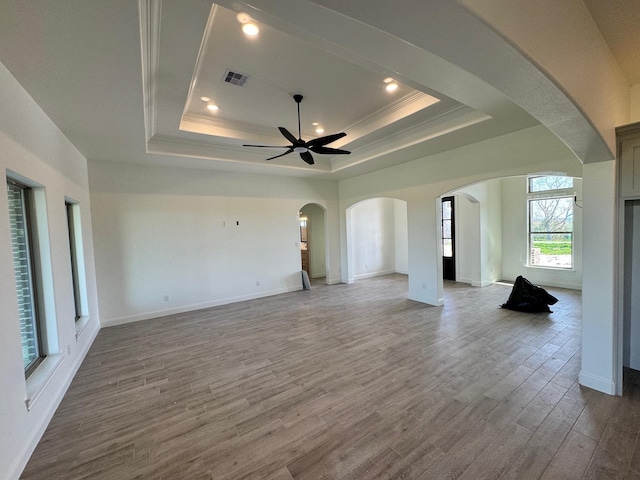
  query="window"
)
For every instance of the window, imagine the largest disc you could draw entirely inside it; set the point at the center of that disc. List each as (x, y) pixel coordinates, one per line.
(447, 227)
(24, 264)
(73, 224)
(551, 222)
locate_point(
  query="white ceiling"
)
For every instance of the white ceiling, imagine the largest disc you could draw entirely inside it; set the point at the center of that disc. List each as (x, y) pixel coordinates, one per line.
(81, 61)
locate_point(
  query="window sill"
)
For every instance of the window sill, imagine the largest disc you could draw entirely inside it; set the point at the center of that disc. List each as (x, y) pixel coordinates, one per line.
(41, 377)
(81, 324)
(553, 269)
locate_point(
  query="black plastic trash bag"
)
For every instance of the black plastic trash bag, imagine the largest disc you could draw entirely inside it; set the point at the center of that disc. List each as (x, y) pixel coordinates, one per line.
(527, 297)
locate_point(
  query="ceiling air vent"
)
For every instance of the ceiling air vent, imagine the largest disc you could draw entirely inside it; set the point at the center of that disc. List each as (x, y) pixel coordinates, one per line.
(235, 78)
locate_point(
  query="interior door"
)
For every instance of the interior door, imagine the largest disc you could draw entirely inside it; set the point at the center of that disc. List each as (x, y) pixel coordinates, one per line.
(448, 239)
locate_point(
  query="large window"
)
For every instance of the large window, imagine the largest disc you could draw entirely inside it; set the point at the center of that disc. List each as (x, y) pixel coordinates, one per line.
(551, 221)
(24, 260)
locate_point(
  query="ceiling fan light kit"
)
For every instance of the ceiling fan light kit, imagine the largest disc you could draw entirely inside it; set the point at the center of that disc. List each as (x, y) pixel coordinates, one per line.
(304, 149)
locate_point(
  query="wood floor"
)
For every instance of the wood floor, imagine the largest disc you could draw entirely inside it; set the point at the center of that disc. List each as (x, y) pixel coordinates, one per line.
(343, 382)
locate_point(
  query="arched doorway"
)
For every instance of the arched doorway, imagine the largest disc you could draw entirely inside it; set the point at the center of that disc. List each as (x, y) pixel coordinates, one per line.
(313, 244)
(377, 238)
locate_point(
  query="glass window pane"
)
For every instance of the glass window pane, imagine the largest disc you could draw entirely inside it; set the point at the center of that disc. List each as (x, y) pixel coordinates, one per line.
(73, 250)
(22, 270)
(447, 247)
(551, 215)
(549, 182)
(446, 229)
(551, 250)
(446, 210)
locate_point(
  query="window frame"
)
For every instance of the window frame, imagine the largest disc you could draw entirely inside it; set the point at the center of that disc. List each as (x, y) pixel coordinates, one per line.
(33, 260)
(72, 222)
(550, 194)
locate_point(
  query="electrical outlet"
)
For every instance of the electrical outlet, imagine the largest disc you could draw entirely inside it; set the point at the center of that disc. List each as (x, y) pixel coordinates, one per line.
(257, 283)
(165, 298)
(68, 349)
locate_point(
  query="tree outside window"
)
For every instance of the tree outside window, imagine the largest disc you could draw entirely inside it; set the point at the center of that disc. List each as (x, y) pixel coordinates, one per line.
(550, 222)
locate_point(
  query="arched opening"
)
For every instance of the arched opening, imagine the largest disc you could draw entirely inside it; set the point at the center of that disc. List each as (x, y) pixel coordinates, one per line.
(494, 233)
(377, 238)
(313, 241)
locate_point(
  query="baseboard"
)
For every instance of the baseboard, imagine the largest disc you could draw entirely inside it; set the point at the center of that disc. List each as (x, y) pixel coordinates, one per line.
(374, 274)
(484, 283)
(601, 384)
(22, 459)
(195, 306)
(569, 286)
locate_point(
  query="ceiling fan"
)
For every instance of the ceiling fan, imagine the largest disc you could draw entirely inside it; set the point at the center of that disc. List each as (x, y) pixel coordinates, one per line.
(317, 145)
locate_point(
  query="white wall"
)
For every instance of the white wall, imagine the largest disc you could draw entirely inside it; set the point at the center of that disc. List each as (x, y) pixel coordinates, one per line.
(401, 231)
(514, 239)
(373, 237)
(34, 148)
(479, 232)
(467, 239)
(199, 238)
(631, 347)
(599, 336)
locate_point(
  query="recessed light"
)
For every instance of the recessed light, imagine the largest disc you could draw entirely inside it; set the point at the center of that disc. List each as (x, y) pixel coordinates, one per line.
(315, 124)
(243, 17)
(250, 29)
(391, 87)
(388, 80)
(212, 107)
(319, 130)
(205, 99)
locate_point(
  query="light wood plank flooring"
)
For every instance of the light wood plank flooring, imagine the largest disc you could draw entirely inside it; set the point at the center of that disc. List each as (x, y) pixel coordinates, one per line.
(343, 382)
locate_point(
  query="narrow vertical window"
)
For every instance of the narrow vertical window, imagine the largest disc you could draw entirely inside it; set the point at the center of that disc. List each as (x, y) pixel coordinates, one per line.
(20, 207)
(551, 222)
(448, 239)
(72, 221)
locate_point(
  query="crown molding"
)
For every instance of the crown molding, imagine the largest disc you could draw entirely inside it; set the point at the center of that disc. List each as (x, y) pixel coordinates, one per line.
(455, 118)
(196, 123)
(149, 12)
(168, 145)
(401, 108)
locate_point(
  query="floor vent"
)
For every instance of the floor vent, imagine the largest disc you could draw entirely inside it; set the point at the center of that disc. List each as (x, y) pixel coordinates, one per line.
(235, 78)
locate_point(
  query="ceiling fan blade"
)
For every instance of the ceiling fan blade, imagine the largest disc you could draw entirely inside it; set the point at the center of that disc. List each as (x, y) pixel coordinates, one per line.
(281, 155)
(288, 135)
(307, 157)
(328, 151)
(268, 146)
(322, 141)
